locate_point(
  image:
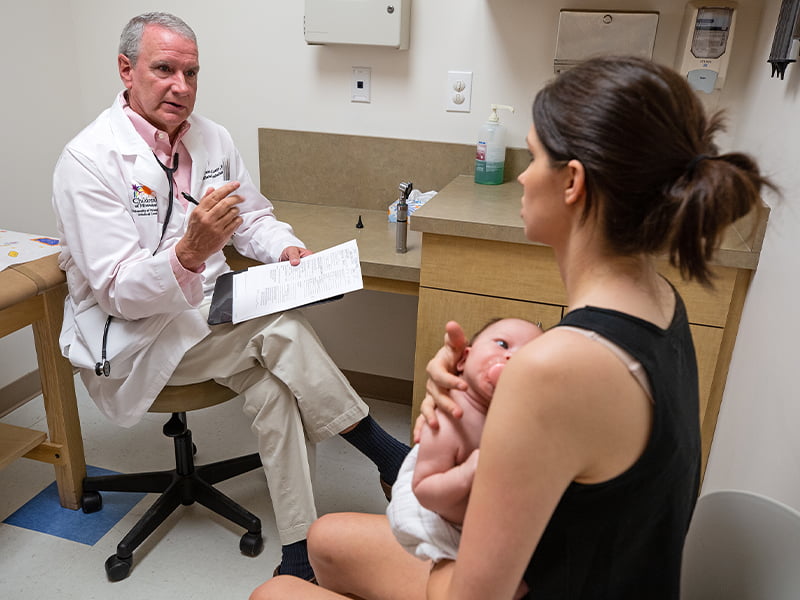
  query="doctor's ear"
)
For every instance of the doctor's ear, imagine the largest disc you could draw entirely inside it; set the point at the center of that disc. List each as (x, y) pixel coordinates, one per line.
(125, 67)
(576, 182)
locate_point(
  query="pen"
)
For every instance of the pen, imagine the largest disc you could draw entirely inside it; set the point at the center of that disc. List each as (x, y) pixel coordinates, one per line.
(190, 199)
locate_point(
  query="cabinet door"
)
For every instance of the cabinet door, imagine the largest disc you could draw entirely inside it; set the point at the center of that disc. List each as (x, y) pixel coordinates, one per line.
(437, 307)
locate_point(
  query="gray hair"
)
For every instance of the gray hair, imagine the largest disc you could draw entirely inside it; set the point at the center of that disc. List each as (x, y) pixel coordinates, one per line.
(131, 37)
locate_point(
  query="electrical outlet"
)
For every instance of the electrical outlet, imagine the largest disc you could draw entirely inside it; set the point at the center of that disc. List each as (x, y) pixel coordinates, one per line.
(360, 88)
(459, 91)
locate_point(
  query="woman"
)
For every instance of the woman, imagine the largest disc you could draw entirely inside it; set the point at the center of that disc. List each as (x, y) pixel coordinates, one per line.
(590, 457)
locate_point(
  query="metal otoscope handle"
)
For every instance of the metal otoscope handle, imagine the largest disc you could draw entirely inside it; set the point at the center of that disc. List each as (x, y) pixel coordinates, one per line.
(402, 217)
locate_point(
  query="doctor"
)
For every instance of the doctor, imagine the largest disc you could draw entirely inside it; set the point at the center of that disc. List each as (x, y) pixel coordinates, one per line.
(146, 197)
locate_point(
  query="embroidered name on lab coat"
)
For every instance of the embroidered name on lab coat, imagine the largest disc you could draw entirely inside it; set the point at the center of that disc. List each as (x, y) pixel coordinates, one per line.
(143, 203)
(212, 173)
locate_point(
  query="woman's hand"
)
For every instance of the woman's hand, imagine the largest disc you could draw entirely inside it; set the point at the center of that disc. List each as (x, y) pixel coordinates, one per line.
(442, 378)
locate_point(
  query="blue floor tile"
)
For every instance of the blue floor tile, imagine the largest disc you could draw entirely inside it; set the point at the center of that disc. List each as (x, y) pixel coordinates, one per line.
(45, 514)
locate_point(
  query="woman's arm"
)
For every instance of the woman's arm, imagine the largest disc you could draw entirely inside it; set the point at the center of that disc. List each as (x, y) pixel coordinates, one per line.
(442, 378)
(561, 413)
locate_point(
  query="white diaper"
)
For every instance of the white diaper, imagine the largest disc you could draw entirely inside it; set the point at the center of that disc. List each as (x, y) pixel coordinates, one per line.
(420, 531)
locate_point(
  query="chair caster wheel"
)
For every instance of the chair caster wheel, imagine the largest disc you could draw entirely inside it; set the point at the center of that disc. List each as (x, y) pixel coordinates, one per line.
(251, 544)
(118, 568)
(91, 502)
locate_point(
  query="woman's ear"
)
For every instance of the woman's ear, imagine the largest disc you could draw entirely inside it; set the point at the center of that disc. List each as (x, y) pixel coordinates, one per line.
(576, 183)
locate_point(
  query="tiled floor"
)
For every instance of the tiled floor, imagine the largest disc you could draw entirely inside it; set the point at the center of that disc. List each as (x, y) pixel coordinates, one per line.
(194, 554)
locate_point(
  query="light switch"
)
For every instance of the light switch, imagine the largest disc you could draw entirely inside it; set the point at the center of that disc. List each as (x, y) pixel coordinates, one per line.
(360, 88)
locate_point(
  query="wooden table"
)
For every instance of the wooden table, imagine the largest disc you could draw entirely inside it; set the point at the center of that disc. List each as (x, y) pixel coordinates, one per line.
(33, 294)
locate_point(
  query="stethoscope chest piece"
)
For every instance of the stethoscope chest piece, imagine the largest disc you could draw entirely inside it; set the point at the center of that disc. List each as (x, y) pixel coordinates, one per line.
(102, 368)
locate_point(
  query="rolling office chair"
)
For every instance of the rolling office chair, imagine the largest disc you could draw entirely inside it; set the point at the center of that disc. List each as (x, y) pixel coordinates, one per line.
(741, 546)
(185, 484)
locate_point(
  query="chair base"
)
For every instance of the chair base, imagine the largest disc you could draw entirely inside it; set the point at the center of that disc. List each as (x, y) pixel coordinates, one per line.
(186, 484)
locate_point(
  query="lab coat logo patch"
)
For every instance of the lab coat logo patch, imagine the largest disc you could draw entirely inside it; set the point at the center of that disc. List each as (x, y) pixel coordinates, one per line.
(143, 203)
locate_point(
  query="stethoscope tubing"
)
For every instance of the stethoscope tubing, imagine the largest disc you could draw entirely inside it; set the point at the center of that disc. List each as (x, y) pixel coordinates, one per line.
(104, 366)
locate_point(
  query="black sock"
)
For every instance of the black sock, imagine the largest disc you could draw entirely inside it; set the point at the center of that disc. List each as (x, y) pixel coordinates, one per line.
(294, 561)
(381, 448)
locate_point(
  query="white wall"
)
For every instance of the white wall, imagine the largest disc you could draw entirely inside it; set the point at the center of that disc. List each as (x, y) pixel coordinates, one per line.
(38, 110)
(258, 72)
(757, 446)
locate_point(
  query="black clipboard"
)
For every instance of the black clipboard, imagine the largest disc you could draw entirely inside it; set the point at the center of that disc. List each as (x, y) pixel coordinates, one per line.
(221, 310)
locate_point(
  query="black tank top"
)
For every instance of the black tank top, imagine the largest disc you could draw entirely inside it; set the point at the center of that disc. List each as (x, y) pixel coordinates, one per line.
(623, 538)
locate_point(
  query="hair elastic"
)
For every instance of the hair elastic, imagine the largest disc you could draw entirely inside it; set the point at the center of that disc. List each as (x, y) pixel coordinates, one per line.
(694, 162)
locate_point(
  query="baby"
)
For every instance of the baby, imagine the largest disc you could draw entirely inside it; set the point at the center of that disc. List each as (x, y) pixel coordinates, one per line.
(429, 498)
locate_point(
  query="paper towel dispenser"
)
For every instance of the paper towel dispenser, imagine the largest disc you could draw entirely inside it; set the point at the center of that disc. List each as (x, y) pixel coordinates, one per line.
(586, 34)
(362, 22)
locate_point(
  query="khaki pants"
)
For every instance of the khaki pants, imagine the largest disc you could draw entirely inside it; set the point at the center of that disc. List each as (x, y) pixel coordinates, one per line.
(293, 392)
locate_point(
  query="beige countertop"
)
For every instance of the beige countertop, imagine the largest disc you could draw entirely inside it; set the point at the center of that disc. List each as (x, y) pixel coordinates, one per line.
(322, 226)
(491, 212)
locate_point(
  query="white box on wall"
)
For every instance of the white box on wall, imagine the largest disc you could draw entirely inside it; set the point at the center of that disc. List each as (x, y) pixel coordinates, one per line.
(362, 22)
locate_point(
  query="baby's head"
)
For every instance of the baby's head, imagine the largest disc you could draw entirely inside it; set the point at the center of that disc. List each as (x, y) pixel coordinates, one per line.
(489, 351)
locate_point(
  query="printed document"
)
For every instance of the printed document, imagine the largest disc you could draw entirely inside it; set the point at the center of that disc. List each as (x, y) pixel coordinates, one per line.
(276, 287)
(17, 247)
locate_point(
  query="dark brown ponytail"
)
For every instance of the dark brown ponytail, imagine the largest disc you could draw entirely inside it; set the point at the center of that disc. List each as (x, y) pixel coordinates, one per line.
(654, 177)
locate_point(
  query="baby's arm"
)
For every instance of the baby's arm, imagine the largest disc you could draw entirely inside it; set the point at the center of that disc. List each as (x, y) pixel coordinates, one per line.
(440, 482)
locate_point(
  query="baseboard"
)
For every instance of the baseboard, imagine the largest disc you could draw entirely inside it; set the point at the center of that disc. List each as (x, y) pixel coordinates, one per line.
(381, 387)
(19, 391)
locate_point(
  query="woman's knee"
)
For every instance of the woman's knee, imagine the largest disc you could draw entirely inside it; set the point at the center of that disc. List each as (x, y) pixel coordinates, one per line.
(322, 536)
(277, 588)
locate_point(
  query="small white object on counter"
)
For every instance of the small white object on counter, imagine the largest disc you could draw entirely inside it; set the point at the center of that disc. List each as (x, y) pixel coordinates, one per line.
(415, 200)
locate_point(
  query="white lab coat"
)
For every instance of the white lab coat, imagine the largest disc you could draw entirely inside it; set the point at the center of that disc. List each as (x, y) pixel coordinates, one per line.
(110, 197)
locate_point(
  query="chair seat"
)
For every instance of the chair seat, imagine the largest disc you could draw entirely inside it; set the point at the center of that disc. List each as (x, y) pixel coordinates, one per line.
(741, 546)
(185, 398)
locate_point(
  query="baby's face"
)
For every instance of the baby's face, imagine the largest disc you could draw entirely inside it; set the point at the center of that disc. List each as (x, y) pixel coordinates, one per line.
(491, 350)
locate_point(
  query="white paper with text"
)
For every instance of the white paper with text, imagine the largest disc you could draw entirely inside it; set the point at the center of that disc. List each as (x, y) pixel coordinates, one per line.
(276, 287)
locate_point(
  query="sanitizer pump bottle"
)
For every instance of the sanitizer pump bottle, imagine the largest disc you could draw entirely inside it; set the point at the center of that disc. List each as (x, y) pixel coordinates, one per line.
(490, 156)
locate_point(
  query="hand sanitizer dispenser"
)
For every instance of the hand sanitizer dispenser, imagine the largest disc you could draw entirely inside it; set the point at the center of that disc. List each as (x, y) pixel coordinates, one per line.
(705, 43)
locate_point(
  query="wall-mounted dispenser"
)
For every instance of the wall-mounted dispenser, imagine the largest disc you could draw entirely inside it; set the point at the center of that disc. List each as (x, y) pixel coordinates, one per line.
(586, 34)
(705, 43)
(361, 22)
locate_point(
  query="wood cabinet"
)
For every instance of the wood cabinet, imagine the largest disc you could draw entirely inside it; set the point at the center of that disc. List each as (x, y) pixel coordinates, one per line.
(472, 280)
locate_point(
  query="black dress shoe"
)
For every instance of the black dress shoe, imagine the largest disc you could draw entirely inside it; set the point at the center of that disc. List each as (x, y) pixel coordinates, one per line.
(387, 490)
(277, 572)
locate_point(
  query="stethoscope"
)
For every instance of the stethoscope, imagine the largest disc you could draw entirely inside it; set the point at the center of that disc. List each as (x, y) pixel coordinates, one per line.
(103, 367)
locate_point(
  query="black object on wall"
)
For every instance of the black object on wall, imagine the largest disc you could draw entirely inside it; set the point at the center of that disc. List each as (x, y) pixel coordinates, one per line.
(785, 32)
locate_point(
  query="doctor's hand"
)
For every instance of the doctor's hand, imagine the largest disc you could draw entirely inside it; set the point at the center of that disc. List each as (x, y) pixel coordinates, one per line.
(442, 378)
(211, 224)
(293, 254)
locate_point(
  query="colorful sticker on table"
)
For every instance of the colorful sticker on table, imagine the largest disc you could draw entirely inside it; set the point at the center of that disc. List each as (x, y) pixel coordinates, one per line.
(46, 240)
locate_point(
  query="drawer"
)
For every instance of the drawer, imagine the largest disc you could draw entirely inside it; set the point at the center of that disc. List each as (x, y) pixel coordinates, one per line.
(520, 271)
